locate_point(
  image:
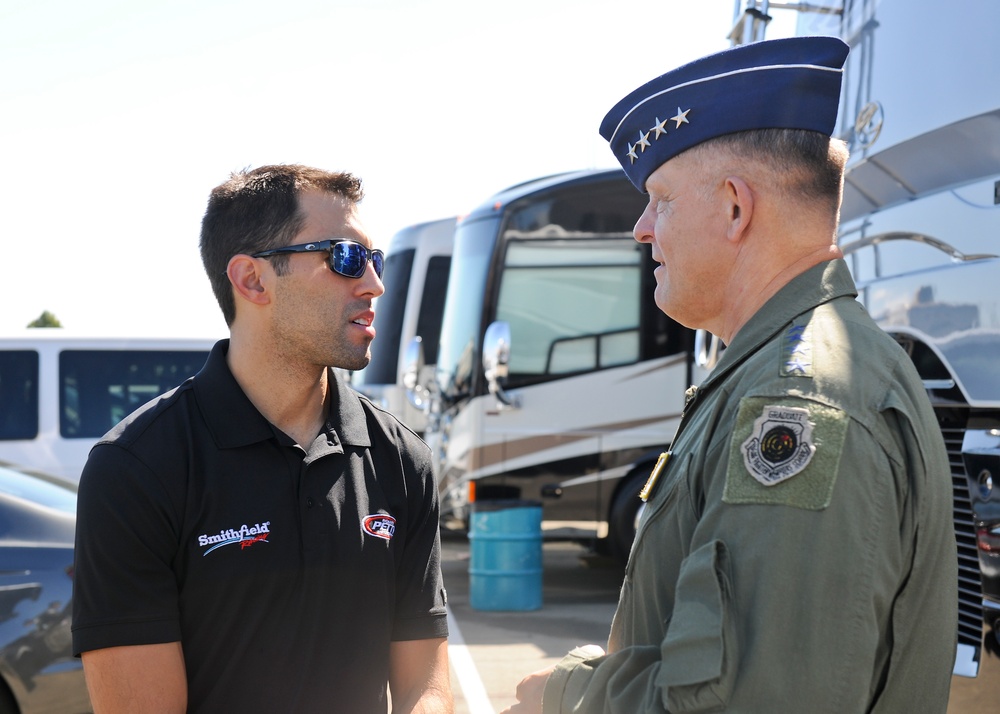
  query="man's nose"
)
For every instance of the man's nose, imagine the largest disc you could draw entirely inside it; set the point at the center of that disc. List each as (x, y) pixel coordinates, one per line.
(643, 231)
(370, 282)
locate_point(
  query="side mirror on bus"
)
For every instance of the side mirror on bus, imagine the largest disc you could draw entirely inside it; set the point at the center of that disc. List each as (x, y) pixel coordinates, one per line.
(413, 366)
(706, 349)
(496, 361)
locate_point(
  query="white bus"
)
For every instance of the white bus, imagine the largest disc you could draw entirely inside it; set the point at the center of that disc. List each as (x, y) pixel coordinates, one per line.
(417, 264)
(60, 392)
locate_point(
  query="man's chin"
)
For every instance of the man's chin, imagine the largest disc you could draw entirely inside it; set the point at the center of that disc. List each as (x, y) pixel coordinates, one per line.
(355, 365)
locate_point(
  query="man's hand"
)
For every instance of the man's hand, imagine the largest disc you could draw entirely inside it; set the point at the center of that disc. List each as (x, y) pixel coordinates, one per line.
(529, 693)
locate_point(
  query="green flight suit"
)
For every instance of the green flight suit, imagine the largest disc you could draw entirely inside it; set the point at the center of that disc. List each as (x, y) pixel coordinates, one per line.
(797, 553)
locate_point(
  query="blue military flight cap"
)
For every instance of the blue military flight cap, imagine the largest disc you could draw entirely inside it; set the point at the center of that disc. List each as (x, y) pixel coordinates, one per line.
(791, 83)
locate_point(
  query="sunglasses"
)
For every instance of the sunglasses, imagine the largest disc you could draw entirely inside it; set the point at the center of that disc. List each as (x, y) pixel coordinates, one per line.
(347, 257)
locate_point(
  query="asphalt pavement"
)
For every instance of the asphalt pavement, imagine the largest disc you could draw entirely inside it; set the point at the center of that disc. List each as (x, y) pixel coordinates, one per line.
(490, 651)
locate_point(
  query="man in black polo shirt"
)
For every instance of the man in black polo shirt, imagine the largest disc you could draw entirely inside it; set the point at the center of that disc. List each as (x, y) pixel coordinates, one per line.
(263, 538)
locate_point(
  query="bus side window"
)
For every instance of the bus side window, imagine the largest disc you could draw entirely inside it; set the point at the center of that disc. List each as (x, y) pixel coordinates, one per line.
(18, 394)
(432, 305)
(99, 388)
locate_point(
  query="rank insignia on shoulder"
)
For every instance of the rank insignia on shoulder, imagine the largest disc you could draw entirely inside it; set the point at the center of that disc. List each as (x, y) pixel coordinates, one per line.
(797, 352)
(780, 444)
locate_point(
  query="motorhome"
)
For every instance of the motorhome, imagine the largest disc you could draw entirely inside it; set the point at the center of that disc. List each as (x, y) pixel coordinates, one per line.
(557, 377)
(408, 319)
(60, 392)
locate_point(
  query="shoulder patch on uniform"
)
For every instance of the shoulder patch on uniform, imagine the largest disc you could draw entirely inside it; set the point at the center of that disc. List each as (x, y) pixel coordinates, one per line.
(780, 444)
(784, 450)
(797, 352)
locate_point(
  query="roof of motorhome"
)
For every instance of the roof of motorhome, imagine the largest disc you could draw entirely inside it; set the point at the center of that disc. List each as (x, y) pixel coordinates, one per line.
(411, 235)
(512, 193)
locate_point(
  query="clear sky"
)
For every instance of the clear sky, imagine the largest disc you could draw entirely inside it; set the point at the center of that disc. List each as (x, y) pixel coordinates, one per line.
(117, 117)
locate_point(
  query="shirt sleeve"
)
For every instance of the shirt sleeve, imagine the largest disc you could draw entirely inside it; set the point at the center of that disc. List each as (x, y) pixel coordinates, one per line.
(421, 599)
(125, 591)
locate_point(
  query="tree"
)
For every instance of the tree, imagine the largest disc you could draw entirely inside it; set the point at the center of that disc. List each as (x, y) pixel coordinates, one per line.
(46, 319)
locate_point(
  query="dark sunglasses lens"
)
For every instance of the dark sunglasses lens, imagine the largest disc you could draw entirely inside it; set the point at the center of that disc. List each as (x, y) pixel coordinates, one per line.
(348, 259)
(351, 259)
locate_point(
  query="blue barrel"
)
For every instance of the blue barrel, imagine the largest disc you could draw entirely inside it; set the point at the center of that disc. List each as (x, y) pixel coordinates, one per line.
(505, 555)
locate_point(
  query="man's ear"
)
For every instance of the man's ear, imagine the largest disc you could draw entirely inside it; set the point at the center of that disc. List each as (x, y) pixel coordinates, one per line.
(739, 201)
(245, 275)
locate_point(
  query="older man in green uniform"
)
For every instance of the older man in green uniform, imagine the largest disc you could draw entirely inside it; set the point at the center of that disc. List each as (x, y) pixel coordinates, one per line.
(796, 553)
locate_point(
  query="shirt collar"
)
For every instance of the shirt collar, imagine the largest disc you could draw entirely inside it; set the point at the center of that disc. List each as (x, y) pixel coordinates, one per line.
(346, 412)
(234, 421)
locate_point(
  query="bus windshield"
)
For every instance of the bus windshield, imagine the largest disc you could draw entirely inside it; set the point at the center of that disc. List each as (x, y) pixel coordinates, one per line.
(473, 249)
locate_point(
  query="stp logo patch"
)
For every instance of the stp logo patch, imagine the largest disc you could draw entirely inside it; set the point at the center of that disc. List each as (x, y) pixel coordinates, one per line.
(379, 525)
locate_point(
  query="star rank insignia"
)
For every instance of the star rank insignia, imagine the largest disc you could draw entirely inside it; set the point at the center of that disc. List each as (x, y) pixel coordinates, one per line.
(654, 133)
(797, 352)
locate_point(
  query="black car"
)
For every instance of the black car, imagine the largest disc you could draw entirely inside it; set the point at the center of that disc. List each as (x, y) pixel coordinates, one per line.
(38, 673)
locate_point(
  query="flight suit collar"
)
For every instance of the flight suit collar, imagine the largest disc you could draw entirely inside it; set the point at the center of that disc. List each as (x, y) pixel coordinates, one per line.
(818, 285)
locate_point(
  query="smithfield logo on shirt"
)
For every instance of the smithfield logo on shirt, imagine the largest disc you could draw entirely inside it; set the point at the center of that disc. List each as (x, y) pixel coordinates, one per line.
(245, 535)
(380, 525)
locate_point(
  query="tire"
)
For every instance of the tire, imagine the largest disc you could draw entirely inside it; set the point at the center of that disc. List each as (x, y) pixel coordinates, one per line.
(8, 705)
(621, 519)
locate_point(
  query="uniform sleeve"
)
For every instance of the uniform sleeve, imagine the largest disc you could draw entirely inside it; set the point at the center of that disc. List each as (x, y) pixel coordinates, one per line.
(786, 597)
(421, 598)
(125, 591)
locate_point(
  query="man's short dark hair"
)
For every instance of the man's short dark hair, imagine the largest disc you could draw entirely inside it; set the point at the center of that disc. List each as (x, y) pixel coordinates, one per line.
(256, 210)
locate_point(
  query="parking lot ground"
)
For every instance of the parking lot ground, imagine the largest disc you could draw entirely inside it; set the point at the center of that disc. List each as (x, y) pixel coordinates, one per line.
(491, 651)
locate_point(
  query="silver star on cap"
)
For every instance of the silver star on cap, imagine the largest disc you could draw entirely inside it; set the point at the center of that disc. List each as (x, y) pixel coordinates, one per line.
(681, 118)
(631, 154)
(643, 141)
(660, 127)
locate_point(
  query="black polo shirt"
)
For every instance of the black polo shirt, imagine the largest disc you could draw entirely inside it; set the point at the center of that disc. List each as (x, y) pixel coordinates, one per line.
(285, 573)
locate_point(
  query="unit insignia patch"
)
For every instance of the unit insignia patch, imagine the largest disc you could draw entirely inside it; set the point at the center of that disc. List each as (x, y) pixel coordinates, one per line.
(784, 450)
(780, 444)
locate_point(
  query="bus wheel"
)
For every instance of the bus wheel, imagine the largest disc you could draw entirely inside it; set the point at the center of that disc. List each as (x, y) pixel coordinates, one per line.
(621, 520)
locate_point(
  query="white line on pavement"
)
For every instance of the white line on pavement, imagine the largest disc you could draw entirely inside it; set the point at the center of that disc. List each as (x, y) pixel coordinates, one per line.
(465, 670)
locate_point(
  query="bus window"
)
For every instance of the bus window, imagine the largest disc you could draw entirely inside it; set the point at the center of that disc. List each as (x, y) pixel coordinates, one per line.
(432, 305)
(99, 388)
(572, 305)
(390, 311)
(18, 394)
